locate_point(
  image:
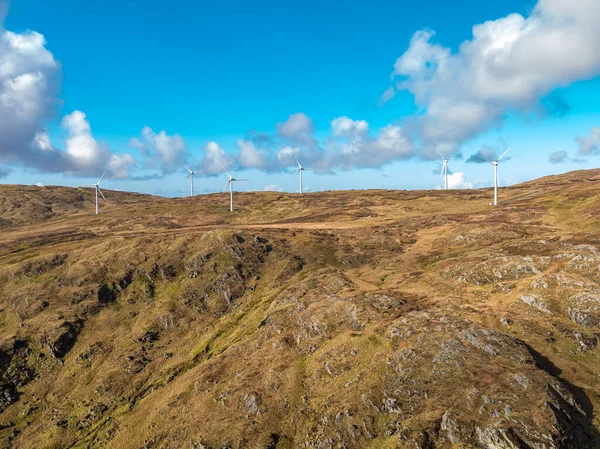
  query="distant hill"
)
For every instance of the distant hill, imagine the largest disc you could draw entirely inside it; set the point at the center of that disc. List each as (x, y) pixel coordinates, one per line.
(356, 319)
(29, 204)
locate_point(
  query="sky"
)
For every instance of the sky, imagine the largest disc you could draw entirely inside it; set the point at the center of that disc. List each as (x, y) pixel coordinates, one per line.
(365, 94)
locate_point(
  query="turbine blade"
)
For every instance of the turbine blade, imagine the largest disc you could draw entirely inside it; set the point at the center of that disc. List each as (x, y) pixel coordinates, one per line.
(502, 155)
(297, 171)
(241, 180)
(187, 169)
(101, 178)
(227, 186)
(100, 192)
(442, 172)
(297, 161)
(438, 152)
(227, 171)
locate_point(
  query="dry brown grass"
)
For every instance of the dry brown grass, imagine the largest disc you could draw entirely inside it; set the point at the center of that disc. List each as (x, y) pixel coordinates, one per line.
(332, 319)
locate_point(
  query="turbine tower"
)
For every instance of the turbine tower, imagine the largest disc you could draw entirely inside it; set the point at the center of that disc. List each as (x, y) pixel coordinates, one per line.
(192, 173)
(300, 170)
(230, 185)
(97, 188)
(444, 171)
(495, 164)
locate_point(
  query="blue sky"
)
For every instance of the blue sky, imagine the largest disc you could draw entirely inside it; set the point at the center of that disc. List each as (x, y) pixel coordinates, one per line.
(206, 72)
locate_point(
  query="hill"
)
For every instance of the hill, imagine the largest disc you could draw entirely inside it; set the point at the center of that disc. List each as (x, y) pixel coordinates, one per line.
(357, 319)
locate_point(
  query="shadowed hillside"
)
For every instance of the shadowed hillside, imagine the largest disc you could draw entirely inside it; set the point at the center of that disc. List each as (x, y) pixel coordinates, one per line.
(361, 319)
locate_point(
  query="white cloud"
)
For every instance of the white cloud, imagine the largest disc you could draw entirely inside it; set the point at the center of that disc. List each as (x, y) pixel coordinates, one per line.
(508, 65)
(80, 143)
(590, 145)
(288, 154)
(353, 147)
(349, 146)
(39, 184)
(29, 88)
(162, 150)
(297, 128)
(344, 126)
(250, 157)
(458, 180)
(86, 154)
(273, 188)
(214, 159)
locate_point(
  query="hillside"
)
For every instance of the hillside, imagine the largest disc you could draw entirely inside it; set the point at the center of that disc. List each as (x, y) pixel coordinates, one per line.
(357, 319)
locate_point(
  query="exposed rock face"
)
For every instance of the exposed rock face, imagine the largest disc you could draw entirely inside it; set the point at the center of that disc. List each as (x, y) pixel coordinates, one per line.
(468, 358)
(15, 372)
(585, 309)
(536, 302)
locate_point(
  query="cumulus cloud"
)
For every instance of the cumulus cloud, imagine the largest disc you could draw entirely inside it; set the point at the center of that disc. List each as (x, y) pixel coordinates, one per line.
(86, 155)
(590, 145)
(29, 87)
(297, 128)
(250, 156)
(344, 126)
(214, 159)
(350, 145)
(161, 150)
(458, 180)
(294, 138)
(509, 64)
(558, 157)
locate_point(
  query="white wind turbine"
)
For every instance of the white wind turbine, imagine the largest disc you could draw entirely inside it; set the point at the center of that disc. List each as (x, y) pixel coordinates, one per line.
(300, 170)
(97, 188)
(230, 185)
(495, 164)
(444, 171)
(192, 173)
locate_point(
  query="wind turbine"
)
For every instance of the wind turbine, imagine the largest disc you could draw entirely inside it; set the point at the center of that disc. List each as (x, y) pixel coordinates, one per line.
(444, 170)
(495, 164)
(192, 173)
(300, 170)
(97, 188)
(230, 185)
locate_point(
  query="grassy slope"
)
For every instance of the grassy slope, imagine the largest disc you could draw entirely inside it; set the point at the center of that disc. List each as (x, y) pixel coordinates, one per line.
(337, 318)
